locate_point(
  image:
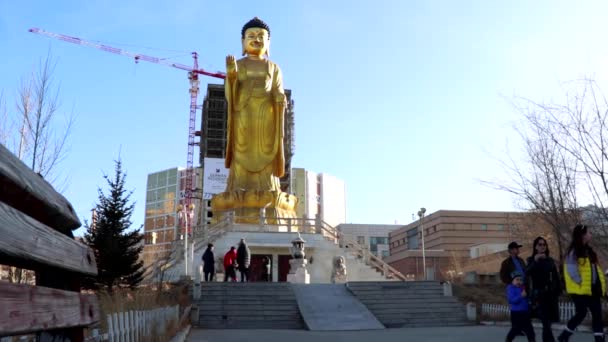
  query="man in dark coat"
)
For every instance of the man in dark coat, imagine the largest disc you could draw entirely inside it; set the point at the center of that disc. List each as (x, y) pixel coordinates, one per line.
(512, 263)
(209, 263)
(243, 259)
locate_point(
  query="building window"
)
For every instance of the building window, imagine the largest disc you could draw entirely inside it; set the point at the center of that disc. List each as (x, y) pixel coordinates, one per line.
(374, 241)
(501, 227)
(361, 240)
(484, 227)
(385, 254)
(412, 238)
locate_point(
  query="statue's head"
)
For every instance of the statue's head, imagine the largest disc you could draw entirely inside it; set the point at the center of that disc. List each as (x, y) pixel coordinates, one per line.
(339, 261)
(255, 38)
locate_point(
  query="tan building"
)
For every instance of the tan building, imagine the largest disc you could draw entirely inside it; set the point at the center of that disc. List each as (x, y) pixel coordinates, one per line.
(319, 195)
(372, 236)
(455, 239)
(162, 226)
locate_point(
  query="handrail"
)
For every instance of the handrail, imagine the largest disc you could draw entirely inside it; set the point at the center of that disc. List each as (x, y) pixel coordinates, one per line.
(384, 267)
(174, 257)
(371, 257)
(321, 227)
(317, 226)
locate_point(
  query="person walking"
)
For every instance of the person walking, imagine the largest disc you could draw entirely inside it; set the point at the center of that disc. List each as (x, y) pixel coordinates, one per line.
(512, 263)
(520, 311)
(585, 283)
(209, 263)
(265, 269)
(243, 259)
(229, 264)
(544, 286)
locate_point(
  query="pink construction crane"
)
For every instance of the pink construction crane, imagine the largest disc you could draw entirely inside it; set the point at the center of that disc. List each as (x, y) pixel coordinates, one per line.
(193, 72)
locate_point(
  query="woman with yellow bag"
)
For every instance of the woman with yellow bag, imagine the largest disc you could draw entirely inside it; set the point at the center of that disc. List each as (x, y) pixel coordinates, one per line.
(585, 283)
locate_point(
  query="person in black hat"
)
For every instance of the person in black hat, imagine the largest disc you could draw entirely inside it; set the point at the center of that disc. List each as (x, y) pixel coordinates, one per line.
(512, 263)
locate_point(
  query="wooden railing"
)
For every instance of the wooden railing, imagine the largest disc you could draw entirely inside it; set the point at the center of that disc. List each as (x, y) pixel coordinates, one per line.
(36, 225)
(141, 325)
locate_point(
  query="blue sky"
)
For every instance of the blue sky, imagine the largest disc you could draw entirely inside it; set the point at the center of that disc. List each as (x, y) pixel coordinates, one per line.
(406, 101)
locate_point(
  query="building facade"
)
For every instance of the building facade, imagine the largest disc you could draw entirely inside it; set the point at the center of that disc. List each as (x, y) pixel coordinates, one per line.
(319, 195)
(164, 192)
(375, 237)
(452, 239)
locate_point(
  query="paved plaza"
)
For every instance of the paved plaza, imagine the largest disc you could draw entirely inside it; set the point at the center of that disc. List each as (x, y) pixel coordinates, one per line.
(469, 334)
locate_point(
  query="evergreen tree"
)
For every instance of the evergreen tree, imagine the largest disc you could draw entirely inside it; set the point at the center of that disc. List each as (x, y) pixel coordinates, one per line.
(116, 249)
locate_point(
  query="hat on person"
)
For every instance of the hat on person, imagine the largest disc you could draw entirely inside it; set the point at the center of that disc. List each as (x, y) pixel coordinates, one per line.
(516, 274)
(514, 244)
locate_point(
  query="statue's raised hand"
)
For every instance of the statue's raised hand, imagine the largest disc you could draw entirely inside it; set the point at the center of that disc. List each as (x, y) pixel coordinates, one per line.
(230, 65)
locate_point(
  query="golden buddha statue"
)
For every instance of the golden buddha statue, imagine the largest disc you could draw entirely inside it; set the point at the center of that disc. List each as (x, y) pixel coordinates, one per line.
(254, 148)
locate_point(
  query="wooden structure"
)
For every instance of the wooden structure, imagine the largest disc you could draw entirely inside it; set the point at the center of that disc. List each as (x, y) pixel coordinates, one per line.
(36, 225)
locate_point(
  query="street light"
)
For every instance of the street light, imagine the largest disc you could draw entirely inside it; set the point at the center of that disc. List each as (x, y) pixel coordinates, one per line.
(187, 216)
(421, 215)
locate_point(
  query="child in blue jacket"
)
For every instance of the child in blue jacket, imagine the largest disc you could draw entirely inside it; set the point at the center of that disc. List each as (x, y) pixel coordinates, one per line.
(520, 312)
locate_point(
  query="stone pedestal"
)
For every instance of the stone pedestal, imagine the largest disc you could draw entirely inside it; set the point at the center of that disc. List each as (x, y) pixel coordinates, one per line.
(246, 205)
(300, 277)
(297, 272)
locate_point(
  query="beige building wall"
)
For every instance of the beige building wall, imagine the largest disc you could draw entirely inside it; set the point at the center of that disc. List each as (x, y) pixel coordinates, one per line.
(333, 199)
(372, 236)
(319, 194)
(452, 235)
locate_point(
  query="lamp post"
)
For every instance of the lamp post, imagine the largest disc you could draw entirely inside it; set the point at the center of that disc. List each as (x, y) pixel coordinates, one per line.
(186, 215)
(421, 215)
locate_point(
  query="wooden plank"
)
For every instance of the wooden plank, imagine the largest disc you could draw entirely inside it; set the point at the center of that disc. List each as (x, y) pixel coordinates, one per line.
(28, 243)
(25, 309)
(22, 188)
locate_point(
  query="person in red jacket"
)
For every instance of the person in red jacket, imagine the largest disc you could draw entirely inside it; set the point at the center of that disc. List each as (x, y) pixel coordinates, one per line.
(230, 264)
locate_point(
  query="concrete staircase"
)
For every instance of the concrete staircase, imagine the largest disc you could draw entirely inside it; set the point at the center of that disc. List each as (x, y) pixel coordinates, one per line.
(248, 306)
(409, 304)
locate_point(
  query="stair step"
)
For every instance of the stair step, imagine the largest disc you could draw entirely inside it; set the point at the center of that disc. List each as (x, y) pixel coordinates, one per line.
(398, 310)
(248, 306)
(252, 325)
(406, 300)
(250, 316)
(412, 294)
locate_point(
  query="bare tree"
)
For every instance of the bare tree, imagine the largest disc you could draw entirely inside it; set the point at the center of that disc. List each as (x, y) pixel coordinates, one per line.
(4, 129)
(42, 143)
(546, 180)
(39, 140)
(578, 129)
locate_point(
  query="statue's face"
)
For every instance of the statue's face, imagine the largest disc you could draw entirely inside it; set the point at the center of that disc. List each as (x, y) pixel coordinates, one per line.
(256, 41)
